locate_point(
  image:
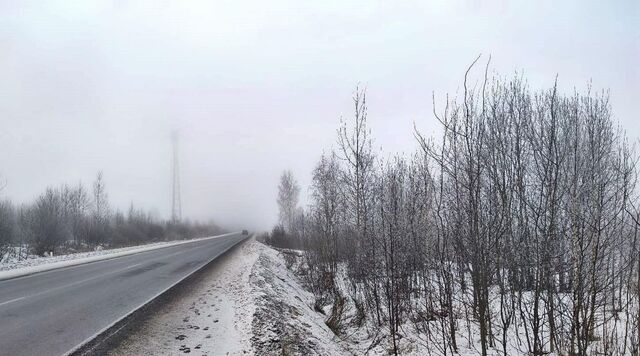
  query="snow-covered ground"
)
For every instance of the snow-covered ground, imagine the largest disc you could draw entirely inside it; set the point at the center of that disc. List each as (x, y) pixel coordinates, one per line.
(249, 303)
(284, 293)
(12, 266)
(254, 301)
(212, 317)
(284, 321)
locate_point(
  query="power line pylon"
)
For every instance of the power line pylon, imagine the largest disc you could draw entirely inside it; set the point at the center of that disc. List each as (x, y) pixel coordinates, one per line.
(176, 206)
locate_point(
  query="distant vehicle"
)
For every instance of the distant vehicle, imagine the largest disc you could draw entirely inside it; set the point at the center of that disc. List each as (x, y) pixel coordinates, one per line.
(245, 232)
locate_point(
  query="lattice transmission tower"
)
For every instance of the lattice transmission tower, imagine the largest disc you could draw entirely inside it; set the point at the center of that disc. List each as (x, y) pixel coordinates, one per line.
(176, 205)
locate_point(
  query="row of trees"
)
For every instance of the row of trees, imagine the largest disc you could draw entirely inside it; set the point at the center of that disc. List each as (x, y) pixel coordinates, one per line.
(73, 218)
(519, 223)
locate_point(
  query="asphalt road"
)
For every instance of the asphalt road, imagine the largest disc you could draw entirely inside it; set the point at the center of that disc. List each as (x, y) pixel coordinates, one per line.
(50, 313)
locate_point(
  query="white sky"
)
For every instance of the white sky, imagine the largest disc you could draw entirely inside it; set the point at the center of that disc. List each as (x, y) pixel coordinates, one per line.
(256, 87)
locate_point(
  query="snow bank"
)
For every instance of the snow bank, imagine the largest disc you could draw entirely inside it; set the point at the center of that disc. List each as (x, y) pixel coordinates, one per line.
(42, 264)
(284, 319)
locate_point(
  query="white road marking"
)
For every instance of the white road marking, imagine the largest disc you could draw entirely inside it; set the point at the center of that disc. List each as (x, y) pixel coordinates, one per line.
(11, 301)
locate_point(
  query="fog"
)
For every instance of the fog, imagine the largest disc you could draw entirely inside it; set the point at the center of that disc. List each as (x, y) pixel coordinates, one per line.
(257, 87)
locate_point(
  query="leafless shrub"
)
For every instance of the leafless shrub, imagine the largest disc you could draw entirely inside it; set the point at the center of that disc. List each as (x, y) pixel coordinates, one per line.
(522, 215)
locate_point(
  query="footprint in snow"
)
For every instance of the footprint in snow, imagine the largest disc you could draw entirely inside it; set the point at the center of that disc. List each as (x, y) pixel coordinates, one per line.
(185, 349)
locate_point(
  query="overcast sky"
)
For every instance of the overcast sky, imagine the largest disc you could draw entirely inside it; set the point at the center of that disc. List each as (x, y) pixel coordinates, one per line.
(258, 87)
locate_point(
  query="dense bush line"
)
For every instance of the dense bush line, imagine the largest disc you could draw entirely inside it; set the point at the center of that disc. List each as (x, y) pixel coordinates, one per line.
(72, 218)
(519, 221)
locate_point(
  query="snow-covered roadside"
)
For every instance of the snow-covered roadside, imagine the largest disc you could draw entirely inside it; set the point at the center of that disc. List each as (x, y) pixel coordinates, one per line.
(249, 303)
(284, 319)
(13, 269)
(212, 315)
(419, 334)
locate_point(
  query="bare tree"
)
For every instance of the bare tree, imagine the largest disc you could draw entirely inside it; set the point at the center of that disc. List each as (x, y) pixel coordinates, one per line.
(47, 227)
(76, 204)
(288, 195)
(520, 223)
(99, 225)
(7, 227)
(355, 145)
(327, 212)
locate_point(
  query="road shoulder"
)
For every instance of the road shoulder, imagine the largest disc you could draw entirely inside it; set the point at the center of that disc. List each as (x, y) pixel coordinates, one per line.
(213, 312)
(248, 303)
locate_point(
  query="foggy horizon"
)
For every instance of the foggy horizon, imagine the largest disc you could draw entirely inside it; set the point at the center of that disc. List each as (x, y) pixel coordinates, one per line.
(258, 88)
